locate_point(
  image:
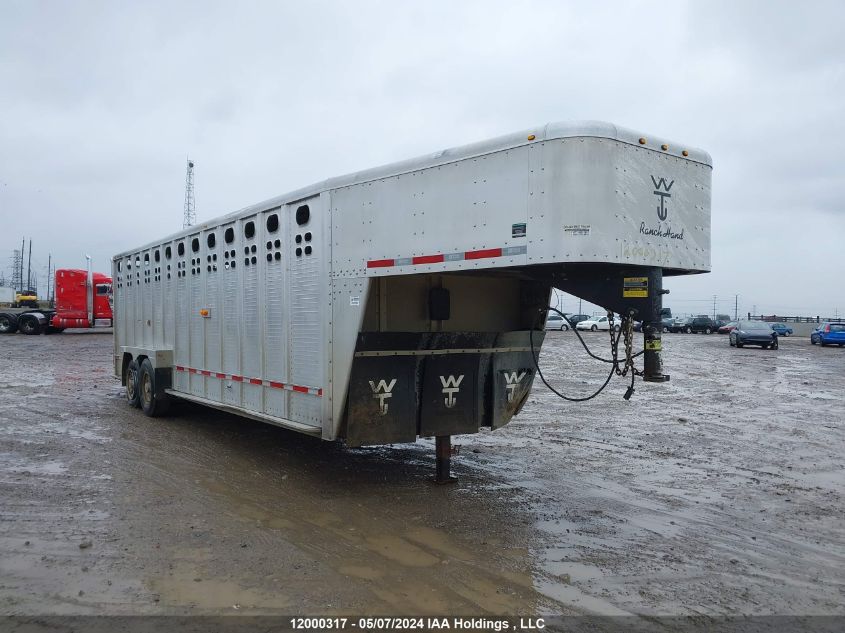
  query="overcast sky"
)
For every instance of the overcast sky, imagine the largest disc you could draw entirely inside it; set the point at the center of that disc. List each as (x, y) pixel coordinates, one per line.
(100, 102)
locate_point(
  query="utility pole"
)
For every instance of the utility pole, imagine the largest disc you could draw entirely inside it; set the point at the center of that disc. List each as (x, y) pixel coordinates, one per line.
(49, 262)
(714, 307)
(29, 267)
(736, 307)
(23, 250)
(189, 217)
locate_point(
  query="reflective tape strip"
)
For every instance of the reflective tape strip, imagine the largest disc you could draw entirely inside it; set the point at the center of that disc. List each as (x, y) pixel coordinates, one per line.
(428, 259)
(439, 258)
(483, 254)
(314, 391)
(379, 263)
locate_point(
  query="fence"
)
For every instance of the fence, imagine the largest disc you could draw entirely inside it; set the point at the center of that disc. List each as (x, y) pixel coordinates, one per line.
(775, 318)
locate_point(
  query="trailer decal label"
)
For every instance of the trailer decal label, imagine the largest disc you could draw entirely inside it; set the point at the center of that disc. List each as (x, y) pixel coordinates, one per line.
(662, 210)
(513, 380)
(577, 229)
(451, 387)
(314, 391)
(439, 258)
(635, 287)
(381, 392)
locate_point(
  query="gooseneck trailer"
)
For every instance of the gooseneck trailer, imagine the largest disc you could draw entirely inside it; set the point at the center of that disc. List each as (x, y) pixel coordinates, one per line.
(404, 300)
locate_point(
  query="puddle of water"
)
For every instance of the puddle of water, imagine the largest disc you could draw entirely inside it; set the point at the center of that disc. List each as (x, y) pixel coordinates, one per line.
(41, 468)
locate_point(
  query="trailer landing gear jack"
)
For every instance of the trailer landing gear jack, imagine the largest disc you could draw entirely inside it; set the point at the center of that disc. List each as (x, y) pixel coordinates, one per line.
(444, 460)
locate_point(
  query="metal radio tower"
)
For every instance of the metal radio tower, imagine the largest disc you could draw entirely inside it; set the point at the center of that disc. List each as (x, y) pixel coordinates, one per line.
(190, 216)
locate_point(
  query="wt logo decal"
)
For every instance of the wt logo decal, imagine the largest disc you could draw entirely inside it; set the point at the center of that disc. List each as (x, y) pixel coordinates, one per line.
(662, 210)
(382, 391)
(451, 387)
(513, 380)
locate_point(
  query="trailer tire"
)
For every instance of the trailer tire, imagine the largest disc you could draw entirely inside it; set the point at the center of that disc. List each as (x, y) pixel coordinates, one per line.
(152, 404)
(8, 323)
(131, 381)
(28, 324)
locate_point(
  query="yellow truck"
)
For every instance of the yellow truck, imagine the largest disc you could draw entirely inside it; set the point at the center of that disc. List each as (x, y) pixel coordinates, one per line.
(25, 299)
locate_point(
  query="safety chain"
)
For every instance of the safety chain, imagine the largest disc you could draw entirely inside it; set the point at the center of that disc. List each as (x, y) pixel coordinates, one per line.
(626, 327)
(626, 332)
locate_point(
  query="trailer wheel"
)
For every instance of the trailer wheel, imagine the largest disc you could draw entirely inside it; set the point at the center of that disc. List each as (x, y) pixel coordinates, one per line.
(131, 380)
(152, 404)
(29, 325)
(8, 324)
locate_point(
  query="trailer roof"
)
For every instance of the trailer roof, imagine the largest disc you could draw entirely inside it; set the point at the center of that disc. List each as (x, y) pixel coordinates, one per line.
(547, 132)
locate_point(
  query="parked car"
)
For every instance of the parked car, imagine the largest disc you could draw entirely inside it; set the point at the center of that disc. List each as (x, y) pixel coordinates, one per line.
(596, 323)
(753, 333)
(829, 334)
(668, 322)
(695, 324)
(556, 322)
(575, 319)
(782, 329)
(727, 328)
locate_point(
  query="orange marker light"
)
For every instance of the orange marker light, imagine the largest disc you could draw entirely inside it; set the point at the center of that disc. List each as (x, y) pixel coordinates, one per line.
(642, 141)
(664, 147)
(531, 137)
(685, 153)
(204, 312)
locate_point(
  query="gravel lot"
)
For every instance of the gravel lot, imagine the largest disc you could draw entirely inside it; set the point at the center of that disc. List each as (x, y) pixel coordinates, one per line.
(720, 492)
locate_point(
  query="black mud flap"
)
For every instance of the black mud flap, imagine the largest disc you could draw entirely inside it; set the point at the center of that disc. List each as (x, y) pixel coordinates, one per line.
(382, 403)
(450, 395)
(454, 386)
(405, 384)
(512, 375)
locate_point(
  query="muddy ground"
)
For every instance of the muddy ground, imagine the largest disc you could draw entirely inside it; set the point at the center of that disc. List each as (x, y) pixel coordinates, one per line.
(719, 493)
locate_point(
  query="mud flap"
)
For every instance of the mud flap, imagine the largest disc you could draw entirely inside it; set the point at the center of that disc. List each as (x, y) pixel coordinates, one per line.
(455, 386)
(513, 375)
(405, 384)
(382, 403)
(450, 395)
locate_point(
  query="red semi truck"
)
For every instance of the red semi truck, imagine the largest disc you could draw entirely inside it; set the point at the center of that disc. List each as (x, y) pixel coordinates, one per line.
(83, 300)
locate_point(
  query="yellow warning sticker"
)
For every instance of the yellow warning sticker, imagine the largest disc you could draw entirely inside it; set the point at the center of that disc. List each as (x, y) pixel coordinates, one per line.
(635, 287)
(653, 346)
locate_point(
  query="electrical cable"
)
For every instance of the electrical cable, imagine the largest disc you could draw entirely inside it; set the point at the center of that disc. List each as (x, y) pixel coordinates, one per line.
(614, 361)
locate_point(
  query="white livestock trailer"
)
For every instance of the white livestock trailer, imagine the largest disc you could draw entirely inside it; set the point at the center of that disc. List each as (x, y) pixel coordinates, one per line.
(397, 302)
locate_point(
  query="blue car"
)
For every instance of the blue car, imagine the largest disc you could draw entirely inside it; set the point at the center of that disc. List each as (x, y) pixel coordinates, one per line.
(829, 334)
(782, 329)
